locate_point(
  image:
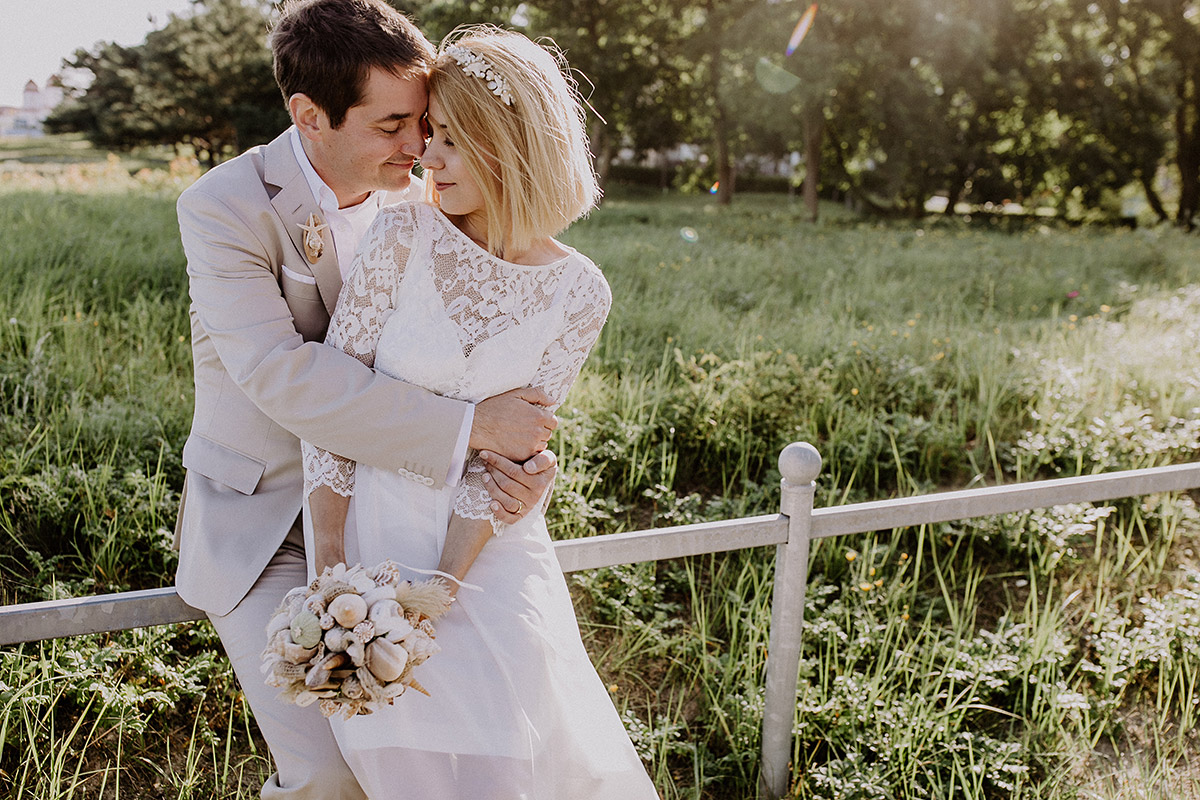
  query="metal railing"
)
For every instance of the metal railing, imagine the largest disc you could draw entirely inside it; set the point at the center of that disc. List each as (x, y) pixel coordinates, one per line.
(791, 531)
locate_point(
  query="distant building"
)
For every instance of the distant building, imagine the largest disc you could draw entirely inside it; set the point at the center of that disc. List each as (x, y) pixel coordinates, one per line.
(36, 105)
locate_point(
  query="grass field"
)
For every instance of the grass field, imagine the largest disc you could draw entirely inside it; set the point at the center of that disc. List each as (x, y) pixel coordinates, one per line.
(1052, 654)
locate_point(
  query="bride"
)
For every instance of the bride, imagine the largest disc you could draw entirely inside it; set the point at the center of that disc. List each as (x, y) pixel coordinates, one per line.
(469, 295)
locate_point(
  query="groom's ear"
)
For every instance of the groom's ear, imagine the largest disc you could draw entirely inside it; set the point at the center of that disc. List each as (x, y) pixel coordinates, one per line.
(307, 116)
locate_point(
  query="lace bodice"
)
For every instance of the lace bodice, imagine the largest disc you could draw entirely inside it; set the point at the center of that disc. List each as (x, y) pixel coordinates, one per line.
(428, 306)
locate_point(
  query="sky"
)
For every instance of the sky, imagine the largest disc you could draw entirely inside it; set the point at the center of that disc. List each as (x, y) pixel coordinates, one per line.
(38, 34)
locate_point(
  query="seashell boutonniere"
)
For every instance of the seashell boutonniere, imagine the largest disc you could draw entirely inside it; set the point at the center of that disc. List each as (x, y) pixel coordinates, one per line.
(351, 639)
(314, 244)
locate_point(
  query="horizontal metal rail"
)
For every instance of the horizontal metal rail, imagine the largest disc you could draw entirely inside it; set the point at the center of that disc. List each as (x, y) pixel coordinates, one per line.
(658, 544)
(75, 616)
(909, 512)
(56, 619)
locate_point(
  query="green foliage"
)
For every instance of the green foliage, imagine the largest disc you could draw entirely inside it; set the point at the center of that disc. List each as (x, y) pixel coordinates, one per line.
(1123, 84)
(75, 716)
(204, 79)
(94, 393)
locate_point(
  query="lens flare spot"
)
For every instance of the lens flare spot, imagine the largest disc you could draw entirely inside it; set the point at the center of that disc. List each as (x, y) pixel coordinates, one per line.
(773, 78)
(802, 28)
(713, 189)
(689, 235)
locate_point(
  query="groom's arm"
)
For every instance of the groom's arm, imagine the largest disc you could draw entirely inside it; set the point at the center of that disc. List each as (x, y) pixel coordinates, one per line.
(316, 392)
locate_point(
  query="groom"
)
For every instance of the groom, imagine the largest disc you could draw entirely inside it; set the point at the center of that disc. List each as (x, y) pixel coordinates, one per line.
(269, 237)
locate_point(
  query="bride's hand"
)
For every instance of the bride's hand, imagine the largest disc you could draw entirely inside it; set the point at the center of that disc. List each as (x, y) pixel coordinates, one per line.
(517, 488)
(451, 588)
(328, 553)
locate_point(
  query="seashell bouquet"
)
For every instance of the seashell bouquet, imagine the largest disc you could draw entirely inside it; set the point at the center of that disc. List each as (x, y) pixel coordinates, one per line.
(350, 639)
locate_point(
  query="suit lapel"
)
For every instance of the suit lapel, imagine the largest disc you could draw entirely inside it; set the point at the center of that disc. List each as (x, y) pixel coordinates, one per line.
(293, 203)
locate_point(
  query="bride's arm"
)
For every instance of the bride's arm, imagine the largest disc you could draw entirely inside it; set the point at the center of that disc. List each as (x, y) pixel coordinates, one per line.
(363, 306)
(327, 510)
(465, 539)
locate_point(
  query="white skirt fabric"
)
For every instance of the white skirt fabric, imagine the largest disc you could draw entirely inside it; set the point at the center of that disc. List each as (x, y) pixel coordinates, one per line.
(516, 709)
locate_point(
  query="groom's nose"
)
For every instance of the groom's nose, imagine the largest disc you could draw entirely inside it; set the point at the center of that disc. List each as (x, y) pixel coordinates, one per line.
(414, 147)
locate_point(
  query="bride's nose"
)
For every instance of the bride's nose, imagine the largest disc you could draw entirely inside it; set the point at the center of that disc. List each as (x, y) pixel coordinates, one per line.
(431, 158)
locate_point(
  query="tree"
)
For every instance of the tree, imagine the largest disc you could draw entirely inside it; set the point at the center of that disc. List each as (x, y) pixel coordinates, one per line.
(979, 100)
(892, 102)
(215, 85)
(623, 53)
(204, 79)
(107, 113)
(917, 98)
(1124, 79)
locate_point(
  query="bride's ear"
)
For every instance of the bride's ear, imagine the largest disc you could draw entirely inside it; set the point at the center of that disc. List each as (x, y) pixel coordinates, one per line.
(308, 118)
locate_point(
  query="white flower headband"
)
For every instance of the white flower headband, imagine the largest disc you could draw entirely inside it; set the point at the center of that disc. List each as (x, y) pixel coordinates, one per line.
(474, 64)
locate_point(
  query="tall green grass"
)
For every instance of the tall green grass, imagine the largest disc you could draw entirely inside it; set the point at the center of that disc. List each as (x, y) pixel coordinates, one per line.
(1051, 654)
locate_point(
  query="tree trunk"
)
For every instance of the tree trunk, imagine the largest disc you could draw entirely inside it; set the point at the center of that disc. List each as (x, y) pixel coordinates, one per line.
(720, 121)
(953, 198)
(602, 148)
(856, 191)
(1187, 159)
(724, 159)
(814, 128)
(1153, 199)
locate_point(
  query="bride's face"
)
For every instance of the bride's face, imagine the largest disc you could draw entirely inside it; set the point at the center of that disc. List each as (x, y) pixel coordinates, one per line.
(457, 191)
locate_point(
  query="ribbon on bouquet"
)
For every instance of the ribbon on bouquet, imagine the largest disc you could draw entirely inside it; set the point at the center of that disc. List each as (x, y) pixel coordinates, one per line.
(438, 573)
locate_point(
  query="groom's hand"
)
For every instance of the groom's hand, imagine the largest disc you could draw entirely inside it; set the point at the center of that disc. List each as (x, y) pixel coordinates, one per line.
(517, 488)
(516, 424)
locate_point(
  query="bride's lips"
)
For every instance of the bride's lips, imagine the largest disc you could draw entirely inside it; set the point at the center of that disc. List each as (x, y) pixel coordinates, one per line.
(441, 187)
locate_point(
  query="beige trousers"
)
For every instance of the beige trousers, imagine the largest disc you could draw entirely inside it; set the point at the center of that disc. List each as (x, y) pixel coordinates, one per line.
(308, 764)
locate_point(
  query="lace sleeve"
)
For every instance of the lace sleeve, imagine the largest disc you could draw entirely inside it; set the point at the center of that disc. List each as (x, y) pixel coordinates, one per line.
(364, 304)
(586, 310)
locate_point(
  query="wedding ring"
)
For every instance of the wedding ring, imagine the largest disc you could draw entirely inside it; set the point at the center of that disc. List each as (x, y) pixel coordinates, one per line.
(520, 507)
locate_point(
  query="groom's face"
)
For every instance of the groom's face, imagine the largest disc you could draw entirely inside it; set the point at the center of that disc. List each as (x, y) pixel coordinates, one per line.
(375, 146)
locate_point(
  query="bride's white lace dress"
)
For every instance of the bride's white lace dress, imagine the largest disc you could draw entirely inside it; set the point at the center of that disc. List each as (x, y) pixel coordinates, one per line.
(516, 708)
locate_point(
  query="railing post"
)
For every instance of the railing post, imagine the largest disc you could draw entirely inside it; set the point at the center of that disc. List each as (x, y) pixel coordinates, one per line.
(800, 463)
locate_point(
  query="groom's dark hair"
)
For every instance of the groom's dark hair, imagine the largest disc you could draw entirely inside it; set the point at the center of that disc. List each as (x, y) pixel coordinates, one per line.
(325, 49)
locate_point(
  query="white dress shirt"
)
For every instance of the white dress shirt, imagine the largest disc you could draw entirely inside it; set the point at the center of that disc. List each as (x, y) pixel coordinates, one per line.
(348, 226)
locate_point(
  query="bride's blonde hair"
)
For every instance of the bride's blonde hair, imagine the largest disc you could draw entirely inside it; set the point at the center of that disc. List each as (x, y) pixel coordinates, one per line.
(521, 133)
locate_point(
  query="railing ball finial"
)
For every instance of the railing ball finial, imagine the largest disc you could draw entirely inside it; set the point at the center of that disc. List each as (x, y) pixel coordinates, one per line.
(800, 463)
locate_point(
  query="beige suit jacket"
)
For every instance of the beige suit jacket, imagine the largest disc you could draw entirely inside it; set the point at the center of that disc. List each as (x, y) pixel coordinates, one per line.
(264, 380)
